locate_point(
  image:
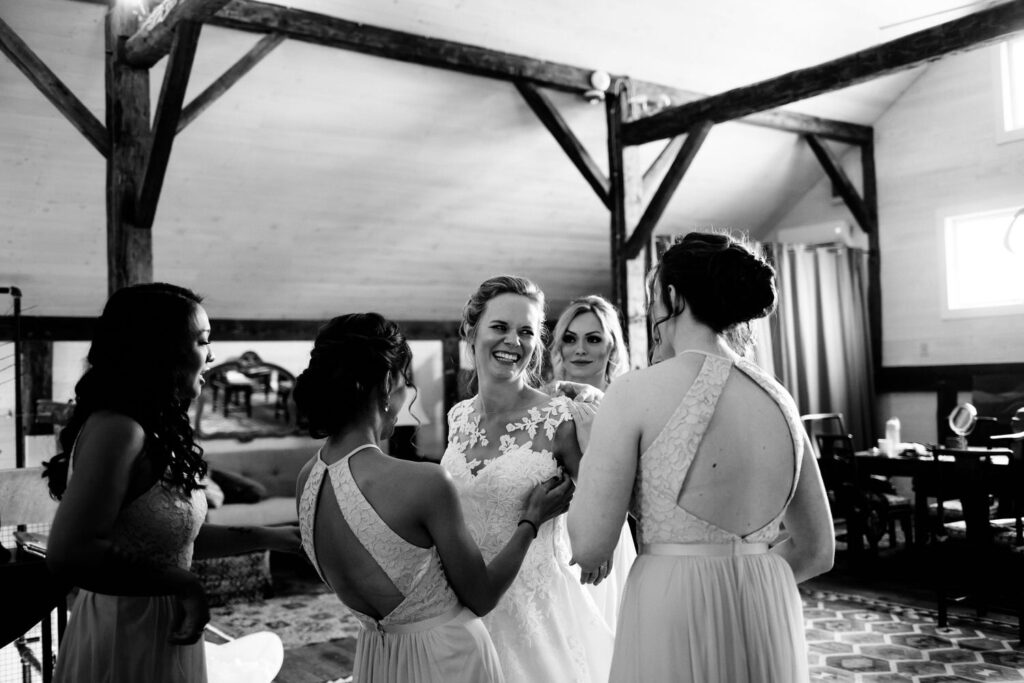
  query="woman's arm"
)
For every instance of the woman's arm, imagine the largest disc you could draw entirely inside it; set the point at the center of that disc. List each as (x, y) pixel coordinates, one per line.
(810, 549)
(606, 479)
(216, 540)
(80, 547)
(81, 550)
(479, 586)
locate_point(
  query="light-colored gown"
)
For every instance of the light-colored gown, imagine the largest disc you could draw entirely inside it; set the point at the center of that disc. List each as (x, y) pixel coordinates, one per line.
(430, 637)
(546, 628)
(123, 639)
(608, 594)
(702, 604)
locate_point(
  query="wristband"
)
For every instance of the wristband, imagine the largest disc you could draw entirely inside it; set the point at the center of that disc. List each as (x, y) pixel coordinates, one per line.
(526, 521)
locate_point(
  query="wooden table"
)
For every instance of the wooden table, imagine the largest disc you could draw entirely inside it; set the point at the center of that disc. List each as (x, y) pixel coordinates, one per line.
(924, 472)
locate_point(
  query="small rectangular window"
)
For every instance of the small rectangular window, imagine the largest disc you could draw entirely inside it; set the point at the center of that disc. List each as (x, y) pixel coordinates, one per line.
(1011, 69)
(983, 277)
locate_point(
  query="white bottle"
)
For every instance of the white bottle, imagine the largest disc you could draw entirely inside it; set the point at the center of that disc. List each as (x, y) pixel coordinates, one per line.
(892, 435)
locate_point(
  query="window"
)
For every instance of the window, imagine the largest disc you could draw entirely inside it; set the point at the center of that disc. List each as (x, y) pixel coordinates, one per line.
(1011, 70)
(982, 276)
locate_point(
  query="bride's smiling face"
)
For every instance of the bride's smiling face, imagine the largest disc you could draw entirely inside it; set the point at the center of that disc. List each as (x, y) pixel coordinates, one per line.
(507, 336)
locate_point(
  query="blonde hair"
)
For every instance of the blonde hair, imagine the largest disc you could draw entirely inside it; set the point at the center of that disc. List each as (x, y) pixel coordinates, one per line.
(608, 316)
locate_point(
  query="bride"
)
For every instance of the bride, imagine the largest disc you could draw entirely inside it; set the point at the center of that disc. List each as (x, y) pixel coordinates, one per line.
(501, 443)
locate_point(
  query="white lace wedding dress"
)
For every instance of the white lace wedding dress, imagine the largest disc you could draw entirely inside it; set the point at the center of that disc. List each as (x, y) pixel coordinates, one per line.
(546, 628)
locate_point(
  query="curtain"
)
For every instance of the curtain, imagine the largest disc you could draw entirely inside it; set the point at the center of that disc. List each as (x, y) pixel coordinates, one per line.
(818, 343)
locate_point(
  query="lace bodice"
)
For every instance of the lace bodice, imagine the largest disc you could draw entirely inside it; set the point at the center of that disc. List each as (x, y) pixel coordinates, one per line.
(664, 465)
(416, 572)
(159, 527)
(493, 492)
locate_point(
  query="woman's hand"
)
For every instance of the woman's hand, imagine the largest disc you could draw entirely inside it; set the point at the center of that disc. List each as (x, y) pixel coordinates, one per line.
(595, 576)
(580, 393)
(549, 499)
(284, 539)
(191, 614)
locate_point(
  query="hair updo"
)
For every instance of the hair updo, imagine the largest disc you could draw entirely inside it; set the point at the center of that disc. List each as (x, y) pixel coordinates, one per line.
(352, 354)
(722, 281)
(492, 288)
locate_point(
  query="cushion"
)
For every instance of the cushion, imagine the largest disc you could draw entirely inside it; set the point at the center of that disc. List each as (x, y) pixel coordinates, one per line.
(238, 488)
(214, 493)
(236, 578)
(269, 512)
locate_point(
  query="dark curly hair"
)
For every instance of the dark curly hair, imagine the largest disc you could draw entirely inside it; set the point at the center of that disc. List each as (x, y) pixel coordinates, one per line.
(722, 281)
(492, 288)
(135, 362)
(352, 354)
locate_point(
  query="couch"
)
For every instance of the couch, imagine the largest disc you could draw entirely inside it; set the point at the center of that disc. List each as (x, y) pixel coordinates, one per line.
(265, 476)
(275, 470)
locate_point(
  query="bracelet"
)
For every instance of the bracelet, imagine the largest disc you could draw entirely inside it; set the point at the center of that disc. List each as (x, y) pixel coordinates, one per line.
(526, 521)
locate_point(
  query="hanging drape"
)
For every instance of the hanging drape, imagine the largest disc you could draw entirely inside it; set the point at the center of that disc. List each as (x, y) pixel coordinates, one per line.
(818, 343)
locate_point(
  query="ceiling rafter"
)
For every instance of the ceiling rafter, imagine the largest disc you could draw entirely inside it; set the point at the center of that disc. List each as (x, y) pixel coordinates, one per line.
(156, 33)
(911, 50)
(566, 139)
(53, 89)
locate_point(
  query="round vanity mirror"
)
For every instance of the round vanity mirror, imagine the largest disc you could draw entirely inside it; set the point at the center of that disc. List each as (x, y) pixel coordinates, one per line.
(962, 419)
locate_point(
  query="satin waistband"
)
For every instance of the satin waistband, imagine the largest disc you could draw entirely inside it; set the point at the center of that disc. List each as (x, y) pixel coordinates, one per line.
(704, 549)
(457, 612)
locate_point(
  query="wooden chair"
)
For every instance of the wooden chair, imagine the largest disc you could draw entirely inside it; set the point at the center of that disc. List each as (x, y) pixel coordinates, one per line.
(870, 511)
(28, 592)
(980, 557)
(822, 423)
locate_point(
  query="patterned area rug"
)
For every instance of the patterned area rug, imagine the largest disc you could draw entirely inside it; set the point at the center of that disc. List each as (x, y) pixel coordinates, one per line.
(857, 640)
(297, 619)
(850, 639)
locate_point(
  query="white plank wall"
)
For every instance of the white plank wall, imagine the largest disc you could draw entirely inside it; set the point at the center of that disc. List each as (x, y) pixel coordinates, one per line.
(936, 150)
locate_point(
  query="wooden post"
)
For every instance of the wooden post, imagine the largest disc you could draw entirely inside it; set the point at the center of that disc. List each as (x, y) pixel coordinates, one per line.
(867, 157)
(38, 382)
(626, 179)
(129, 247)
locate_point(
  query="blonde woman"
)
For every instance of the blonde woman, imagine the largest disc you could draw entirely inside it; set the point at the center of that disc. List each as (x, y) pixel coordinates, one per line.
(588, 347)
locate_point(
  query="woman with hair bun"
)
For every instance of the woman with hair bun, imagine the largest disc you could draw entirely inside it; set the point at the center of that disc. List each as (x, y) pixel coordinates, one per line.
(708, 452)
(387, 535)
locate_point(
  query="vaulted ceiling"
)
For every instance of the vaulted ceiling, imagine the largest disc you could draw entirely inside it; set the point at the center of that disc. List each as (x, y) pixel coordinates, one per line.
(328, 181)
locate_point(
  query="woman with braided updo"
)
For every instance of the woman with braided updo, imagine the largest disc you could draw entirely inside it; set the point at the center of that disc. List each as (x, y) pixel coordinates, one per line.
(708, 452)
(388, 535)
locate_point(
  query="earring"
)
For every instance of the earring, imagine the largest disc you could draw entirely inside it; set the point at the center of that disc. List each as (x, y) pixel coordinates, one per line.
(387, 407)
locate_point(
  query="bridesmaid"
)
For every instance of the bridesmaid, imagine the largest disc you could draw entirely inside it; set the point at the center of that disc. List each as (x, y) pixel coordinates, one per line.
(712, 451)
(131, 514)
(588, 347)
(387, 535)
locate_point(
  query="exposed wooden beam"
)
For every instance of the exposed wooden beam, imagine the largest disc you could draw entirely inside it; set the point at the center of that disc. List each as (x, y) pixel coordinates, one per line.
(310, 27)
(53, 88)
(129, 247)
(251, 58)
(652, 214)
(776, 119)
(153, 39)
(249, 15)
(834, 170)
(908, 51)
(664, 158)
(165, 127)
(565, 138)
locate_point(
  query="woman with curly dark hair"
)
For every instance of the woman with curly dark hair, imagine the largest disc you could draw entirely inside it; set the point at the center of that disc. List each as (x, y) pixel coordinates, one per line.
(132, 506)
